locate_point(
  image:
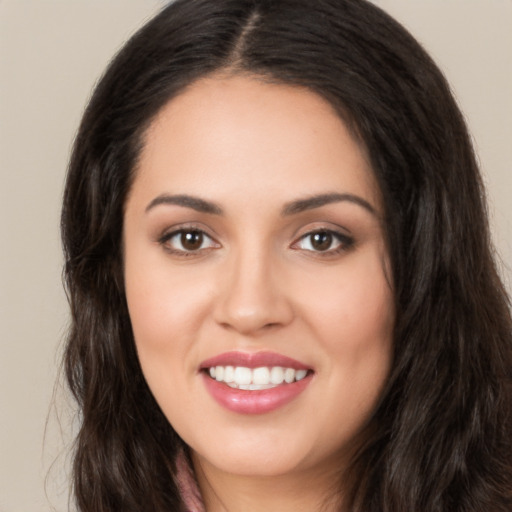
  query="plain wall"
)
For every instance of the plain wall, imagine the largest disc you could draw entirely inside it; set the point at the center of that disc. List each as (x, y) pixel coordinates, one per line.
(51, 54)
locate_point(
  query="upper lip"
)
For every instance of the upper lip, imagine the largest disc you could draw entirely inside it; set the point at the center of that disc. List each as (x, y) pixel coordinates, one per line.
(253, 360)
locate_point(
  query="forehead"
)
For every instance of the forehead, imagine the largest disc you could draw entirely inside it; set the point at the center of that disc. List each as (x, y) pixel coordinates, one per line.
(223, 133)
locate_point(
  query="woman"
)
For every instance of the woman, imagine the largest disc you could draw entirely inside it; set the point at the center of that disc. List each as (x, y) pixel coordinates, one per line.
(280, 273)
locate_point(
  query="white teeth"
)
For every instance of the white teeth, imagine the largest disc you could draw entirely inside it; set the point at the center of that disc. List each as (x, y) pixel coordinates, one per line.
(229, 374)
(256, 379)
(289, 375)
(299, 374)
(261, 376)
(242, 375)
(277, 375)
(251, 387)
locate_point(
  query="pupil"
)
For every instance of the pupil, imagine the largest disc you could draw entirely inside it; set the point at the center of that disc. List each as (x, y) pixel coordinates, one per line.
(192, 240)
(321, 241)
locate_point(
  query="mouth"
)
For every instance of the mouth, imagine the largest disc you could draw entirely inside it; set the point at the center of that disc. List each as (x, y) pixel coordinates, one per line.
(248, 379)
(254, 383)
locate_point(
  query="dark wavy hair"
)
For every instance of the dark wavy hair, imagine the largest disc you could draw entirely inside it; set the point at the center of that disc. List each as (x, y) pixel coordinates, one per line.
(440, 438)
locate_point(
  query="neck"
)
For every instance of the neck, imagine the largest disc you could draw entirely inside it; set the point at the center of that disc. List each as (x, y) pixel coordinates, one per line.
(304, 490)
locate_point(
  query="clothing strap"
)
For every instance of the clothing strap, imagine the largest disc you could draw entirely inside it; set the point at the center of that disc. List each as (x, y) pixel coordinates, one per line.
(187, 485)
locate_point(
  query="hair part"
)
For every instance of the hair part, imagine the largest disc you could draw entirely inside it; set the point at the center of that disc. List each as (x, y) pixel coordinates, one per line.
(440, 437)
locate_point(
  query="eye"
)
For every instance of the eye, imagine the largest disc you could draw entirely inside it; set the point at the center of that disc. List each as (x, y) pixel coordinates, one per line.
(187, 241)
(324, 241)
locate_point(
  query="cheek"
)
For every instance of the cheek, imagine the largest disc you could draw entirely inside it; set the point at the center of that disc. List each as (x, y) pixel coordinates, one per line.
(353, 321)
(163, 302)
(351, 310)
(352, 317)
(166, 312)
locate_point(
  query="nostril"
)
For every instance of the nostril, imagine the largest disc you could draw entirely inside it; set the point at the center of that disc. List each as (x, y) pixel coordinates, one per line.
(252, 306)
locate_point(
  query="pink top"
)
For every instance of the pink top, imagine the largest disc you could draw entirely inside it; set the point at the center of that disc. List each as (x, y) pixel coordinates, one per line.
(187, 485)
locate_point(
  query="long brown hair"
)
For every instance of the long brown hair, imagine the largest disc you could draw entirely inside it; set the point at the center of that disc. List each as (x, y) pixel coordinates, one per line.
(441, 436)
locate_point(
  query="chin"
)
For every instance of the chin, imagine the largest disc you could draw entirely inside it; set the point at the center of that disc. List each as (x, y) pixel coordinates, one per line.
(265, 463)
(267, 454)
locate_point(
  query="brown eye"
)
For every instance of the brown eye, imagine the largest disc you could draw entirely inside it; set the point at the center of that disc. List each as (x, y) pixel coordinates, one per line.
(324, 241)
(191, 240)
(183, 242)
(321, 241)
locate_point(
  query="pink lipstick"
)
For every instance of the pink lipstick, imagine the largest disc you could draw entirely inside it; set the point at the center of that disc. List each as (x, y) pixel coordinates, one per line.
(254, 383)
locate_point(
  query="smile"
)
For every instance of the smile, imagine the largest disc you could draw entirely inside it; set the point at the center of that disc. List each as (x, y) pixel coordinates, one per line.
(241, 377)
(254, 383)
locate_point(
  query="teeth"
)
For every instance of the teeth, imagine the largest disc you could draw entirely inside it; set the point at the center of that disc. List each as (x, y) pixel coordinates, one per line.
(261, 376)
(277, 375)
(229, 374)
(289, 375)
(250, 387)
(241, 377)
(300, 374)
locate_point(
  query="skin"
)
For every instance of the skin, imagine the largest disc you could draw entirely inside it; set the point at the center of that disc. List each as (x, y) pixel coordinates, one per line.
(257, 283)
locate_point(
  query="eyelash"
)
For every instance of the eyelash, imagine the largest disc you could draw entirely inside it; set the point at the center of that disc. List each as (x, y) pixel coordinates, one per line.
(343, 241)
(166, 239)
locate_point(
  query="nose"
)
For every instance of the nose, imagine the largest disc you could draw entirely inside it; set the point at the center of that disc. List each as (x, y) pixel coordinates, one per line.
(252, 295)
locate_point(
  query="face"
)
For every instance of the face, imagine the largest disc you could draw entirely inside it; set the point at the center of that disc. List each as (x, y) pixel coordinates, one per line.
(255, 268)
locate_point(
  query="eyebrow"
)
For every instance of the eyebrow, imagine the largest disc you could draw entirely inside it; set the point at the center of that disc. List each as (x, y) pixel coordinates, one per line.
(292, 208)
(186, 201)
(319, 200)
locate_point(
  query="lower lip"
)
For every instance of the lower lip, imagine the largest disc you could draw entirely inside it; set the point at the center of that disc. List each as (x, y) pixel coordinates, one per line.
(254, 402)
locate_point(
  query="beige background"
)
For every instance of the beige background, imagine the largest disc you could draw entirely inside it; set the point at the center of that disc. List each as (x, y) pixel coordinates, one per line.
(51, 54)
